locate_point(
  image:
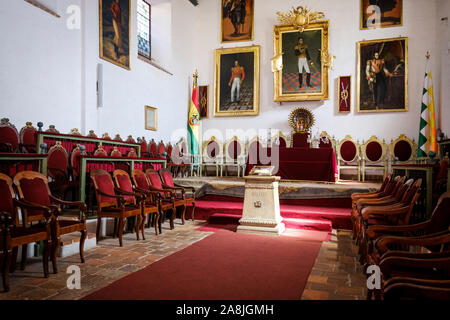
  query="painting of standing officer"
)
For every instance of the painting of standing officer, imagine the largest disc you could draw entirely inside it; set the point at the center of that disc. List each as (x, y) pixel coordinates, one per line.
(237, 20)
(382, 71)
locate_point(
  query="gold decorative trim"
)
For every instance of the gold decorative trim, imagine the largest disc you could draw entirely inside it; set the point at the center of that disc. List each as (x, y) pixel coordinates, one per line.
(155, 113)
(301, 113)
(364, 147)
(300, 17)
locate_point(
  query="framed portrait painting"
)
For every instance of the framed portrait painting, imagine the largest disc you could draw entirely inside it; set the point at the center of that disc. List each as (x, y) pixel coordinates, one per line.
(382, 75)
(345, 94)
(237, 82)
(237, 20)
(115, 32)
(303, 75)
(151, 118)
(381, 14)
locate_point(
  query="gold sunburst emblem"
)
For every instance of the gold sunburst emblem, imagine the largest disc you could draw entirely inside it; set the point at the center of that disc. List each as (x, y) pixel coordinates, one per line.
(300, 17)
(301, 120)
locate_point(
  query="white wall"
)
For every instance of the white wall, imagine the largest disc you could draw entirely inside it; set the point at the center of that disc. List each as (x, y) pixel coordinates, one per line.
(49, 73)
(419, 26)
(443, 10)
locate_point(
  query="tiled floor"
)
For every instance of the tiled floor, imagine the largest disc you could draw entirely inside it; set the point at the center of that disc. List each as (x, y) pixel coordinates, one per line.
(336, 274)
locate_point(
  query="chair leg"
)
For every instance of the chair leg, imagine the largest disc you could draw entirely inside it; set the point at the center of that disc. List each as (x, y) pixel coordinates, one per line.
(54, 253)
(115, 228)
(46, 257)
(193, 211)
(82, 241)
(12, 268)
(5, 268)
(183, 216)
(172, 218)
(97, 233)
(156, 217)
(143, 226)
(121, 226)
(24, 256)
(138, 226)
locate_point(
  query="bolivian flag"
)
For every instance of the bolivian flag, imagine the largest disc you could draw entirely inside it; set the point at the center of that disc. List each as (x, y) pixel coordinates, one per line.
(194, 120)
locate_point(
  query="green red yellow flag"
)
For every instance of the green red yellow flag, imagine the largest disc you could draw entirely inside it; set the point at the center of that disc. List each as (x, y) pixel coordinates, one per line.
(428, 131)
(194, 120)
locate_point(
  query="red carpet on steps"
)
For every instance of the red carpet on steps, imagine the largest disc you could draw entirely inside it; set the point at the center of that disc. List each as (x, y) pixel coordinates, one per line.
(295, 216)
(224, 266)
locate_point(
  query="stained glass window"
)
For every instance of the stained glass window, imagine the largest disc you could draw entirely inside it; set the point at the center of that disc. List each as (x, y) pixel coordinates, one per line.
(144, 28)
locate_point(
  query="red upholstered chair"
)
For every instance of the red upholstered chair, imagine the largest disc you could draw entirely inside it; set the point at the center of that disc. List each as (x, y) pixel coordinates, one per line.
(404, 288)
(212, 156)
(115, 153)
(92, 134)
(134, 197)
(326, 141)
(28, 138)
(402, 150)
(152, 201)
(33, 188)
(132, 153)
(118, 138)
(75, 132)
(14, 235)
(58, 171)
(280, 140)
(9, 137)
(173, 167)
(374, 156)
(161, 150)
(111, 204)
(153, 149)
(130, 139)
(234, 156)
(169, 201)
(187, 163)
(100, 152)
(180, 191)
(144, 148)
(52, 129)
(348, 156)
(106, 136)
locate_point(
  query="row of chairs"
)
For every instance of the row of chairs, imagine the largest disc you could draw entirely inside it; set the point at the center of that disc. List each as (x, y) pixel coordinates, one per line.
(414, 259)
(149, 194)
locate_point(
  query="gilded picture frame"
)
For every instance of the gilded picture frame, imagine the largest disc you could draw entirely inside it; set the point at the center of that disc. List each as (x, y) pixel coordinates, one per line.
(386, 90)
(312, 83)
(151, 118)
(345, 92)
(114, 32)
(237, 20)
(381, 14)
(236, 81)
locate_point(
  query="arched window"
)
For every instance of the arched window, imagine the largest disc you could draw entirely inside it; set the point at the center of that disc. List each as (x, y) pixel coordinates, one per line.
(144, 11)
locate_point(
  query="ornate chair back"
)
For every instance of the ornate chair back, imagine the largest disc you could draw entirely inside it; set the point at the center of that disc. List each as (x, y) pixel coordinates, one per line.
(75, 132)
(253, 150)
(161, 150)
(33, 187)
(348, 150)
(280, 140)
(9, 137)
(58, 162)
(130, 139)
(116, 153)
(169, 150)
(103, 183)
(144, 148)
(75, 162)
(402, 150)
(92, 134)
(52, 129)
(132, 153)
(212, 151)
(440, 218)
(154, 179)
(234, 150)
(100, 152)
(374, 150)
(166, 176)
(118, 138)
(6, 198)
(106, 136)
(123, 182)
(153, 149)
(326, 141)
(140, 180)
(28, 138)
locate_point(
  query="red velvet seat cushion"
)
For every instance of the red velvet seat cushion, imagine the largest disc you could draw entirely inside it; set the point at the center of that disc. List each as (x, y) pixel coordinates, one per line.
(75, 162)
(213, 149)
(125, 184)
(167, 177)
(234, 150)
(141, 181)
(402, 150)
(105, 184)
(57, 159)
(348, 151)
(374, 151)
(6, 202)
(29, 140)
(155, 181)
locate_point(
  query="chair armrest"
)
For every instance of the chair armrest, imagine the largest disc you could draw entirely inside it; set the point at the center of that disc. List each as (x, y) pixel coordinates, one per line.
(383, 242)
(397, 229)
(389, 264)
(415, 255)
(139, 195)
(380, 211)
(5, 221)
(183, 191)
(148, 192)
(82, 205)
(186, 188)
(47, 210)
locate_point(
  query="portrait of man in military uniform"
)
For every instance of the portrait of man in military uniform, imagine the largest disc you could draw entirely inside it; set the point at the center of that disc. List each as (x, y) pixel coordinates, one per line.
(382, 72)
(237, 20)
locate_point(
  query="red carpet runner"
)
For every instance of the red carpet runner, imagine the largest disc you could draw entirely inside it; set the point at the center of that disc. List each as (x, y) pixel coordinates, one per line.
(224, 266)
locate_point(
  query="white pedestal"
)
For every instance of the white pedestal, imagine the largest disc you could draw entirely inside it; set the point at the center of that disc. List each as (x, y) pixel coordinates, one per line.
(261, 213)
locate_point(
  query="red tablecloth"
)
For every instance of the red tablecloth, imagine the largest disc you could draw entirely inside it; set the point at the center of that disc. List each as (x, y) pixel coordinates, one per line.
(301, 163)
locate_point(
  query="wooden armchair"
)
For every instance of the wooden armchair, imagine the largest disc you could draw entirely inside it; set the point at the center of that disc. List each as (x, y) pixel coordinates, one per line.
(168, 199)
(28, 138)
(9, 137)
(168, 183)
(348, 156)
(142, 185)
(134, 197)
(33, 189)
(13, 235)
(58, 171)
(234, 156)
(374, 156)
(112, 204)
(403, 288)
